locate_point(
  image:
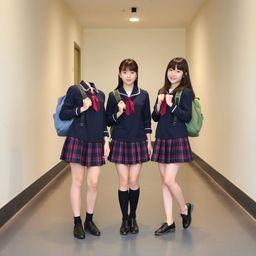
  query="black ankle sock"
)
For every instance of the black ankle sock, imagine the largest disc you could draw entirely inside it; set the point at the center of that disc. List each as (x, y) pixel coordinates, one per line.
(89, 217)
(77, 220)
(133, 198)
(123, 197)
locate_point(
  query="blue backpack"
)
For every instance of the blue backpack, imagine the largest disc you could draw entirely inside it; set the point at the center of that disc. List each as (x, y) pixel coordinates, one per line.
(62, 126)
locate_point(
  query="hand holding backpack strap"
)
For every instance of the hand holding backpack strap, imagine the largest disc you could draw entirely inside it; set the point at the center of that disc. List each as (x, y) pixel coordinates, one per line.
(117, 95)
(82, 91)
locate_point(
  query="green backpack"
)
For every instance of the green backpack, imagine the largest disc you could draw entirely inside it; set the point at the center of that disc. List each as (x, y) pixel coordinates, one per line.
(195, 125)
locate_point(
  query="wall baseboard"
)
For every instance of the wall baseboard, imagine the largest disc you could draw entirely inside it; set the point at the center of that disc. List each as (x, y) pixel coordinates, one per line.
(238, 195)
(12, 207)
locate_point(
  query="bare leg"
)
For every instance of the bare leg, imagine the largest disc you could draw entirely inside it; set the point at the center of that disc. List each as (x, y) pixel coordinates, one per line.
(123, 173)
(77, 172)
(169, 179)
(167, 196)
(134, 173)
(93, 174)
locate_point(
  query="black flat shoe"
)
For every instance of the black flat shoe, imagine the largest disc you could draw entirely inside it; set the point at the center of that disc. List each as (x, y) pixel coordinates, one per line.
(186, 219)
(79, 231)
(165, 229)
(125, 228)
(134, 229)
(91, 228)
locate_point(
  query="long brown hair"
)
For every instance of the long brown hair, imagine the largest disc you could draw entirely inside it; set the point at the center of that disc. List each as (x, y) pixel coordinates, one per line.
(185, 82)
(127, 64)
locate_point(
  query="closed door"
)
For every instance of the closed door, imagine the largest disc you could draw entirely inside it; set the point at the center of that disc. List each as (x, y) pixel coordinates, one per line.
(77, 64)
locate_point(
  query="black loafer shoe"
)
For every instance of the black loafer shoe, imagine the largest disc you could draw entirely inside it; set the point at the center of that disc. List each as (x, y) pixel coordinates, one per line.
(79, 231)
(165, 229)
(186, 219)
(134, 229)
(91, 228)
(125, 228)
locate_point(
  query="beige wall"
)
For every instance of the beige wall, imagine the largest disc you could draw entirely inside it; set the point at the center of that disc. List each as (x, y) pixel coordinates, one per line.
(36, 49)
(222, 53)
(151, 48)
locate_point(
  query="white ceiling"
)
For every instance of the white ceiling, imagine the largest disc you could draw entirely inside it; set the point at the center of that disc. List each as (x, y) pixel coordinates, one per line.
(152, 13)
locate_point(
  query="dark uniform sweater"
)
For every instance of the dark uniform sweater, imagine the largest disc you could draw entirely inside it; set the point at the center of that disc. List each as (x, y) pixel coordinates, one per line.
(168, 126)
(95, 127)
(135, 126)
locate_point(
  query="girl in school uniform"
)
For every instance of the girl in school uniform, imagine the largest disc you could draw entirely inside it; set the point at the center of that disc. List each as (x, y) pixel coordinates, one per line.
(87, 145)
(172, 145)
(131, 139)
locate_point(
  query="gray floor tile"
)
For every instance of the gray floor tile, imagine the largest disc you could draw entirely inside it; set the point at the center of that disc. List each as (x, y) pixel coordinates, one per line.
(220, 226)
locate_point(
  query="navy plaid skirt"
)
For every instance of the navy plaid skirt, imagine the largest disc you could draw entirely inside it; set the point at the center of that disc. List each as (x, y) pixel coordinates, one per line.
(124, 152)
(172, 151)
(82, 152)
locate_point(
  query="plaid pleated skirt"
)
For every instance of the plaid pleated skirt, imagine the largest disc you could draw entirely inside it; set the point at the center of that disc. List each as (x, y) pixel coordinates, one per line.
(82, 152)
(172, 151)
(124, 152)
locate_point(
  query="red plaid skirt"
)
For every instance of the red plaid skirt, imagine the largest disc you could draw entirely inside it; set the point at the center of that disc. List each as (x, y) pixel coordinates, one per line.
(82, 152)
(124, 152)
(172, 151)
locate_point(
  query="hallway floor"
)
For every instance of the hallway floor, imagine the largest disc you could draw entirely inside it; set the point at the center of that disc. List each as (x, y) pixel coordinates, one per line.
(219, 226)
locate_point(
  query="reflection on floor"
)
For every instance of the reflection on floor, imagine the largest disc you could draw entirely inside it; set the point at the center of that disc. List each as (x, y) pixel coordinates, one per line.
(220, 226)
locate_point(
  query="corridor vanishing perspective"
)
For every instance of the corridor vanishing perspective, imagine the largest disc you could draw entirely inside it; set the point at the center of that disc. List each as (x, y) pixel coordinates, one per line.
(49, 45)
(219, 227)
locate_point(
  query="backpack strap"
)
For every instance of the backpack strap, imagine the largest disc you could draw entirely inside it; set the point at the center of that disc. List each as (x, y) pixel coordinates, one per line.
(118, 99)
(117, 95)
(177, 102)
(177, 97)
(84, 95)
(82, 91)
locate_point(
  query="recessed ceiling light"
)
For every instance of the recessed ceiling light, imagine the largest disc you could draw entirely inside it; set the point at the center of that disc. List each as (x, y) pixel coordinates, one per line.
(134, 12)
(134, 19)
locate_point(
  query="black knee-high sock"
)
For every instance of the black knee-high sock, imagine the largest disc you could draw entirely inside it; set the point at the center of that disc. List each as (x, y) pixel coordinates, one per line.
(123, 197)
(133, 198)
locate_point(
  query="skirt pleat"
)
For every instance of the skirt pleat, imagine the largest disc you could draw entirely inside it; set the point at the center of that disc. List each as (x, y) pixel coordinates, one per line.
(82, 152)
(172, 151)
(123, 152)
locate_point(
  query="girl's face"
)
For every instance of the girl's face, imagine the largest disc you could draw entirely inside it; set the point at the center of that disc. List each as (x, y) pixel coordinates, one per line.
(128, 76)
(174, 75)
